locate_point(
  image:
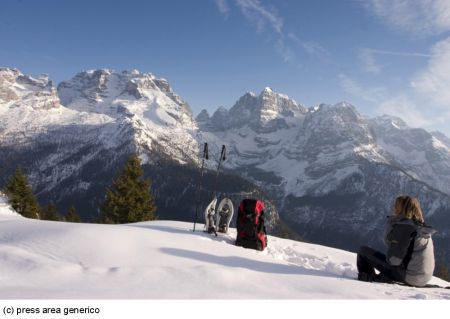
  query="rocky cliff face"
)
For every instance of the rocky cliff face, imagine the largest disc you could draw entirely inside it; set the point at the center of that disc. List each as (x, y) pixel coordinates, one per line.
(266, 112)
(18, 89)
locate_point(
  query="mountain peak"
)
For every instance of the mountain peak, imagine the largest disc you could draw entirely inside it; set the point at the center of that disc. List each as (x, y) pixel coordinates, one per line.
(202, 116)
(222, 109)
(95, 86)
(267, 90)
(273, 104)
(133, 72)
(98, 71)
(344, 104)
(347, 108)
(17, 89)
(390, 122)
(4, 71)
(268, 110)
(127, 93)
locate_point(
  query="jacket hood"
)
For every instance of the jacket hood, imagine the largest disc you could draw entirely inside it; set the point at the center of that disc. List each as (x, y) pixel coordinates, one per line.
(424, 230)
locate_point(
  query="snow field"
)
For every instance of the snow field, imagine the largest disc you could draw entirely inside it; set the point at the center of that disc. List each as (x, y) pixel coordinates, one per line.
(166, 260)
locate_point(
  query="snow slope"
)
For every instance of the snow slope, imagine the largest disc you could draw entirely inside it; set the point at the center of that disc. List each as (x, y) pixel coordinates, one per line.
(166, 260)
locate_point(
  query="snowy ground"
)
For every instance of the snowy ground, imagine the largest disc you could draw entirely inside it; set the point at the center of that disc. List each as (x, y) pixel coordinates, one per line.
(166, 260)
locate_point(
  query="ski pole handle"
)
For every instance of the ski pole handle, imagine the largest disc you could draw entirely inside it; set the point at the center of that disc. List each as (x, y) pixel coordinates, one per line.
(223, 153)
(205, 151)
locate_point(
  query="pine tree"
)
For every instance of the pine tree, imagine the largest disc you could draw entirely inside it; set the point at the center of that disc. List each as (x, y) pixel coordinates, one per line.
(50, 212)
(72, 216)
(443, 272)
(129, 199)
(21, 195)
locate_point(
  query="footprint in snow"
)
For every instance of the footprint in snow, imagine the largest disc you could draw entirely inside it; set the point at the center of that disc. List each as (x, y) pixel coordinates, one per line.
(113, 269)
(419, 296)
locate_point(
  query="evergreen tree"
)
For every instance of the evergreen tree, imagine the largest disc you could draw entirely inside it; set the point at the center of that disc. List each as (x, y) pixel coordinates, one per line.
(129, 199)
(443, 272)
(72, 216)
(50, 212)
(21, 195)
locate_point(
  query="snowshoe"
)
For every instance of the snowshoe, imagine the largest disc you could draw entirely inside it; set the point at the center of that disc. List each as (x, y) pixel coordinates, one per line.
(210, 211)
(224, 214)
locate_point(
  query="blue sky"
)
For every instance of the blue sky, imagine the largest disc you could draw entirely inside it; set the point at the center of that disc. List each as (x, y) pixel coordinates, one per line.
(383, 56)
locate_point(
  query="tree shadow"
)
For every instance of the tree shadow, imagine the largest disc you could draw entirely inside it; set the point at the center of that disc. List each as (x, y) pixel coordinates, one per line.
(240, 262)
(169, 229)
(165, 229)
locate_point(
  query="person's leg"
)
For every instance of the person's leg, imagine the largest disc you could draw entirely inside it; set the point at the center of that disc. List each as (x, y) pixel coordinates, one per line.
(389, 274)
(366, 270)
(369, 258)
(364, 260)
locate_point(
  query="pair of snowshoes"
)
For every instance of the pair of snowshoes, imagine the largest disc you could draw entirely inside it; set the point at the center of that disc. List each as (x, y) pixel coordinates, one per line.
(218, 220)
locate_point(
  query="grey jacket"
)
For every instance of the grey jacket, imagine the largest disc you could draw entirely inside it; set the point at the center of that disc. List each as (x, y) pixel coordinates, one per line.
(410, 247)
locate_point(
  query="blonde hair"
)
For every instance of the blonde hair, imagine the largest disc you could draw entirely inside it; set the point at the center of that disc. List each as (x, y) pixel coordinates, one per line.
(408, 207)
(399, 203)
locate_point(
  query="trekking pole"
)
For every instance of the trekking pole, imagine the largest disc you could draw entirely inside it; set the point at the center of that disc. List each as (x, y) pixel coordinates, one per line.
(221, 159)
(205, 156)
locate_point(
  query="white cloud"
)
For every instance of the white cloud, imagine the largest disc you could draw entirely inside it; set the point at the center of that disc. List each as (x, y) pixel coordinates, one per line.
(311, 47)
(260, 15)
(404, 54)
(367, 58)
(419, 17)
(405, 108)
(223, 7)
(266, 20)
(372, 95)
(424, 101)
(286, 53)
(381, 101)
(434, 81)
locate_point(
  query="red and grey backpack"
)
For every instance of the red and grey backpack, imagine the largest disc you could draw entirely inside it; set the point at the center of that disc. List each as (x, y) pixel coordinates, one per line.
(251, 232)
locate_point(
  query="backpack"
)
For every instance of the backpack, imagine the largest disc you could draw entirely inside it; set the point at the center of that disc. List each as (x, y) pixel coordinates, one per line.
(251, 232)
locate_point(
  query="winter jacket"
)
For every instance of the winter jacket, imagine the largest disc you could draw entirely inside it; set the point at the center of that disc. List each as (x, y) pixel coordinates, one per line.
(411, 248)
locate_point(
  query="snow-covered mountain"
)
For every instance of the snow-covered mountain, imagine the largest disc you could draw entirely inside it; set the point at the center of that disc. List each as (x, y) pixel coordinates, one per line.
(160, 118)
(334, 173)
(424, 155)
(71, 141)
(144, 106)
(265, 113)
(266, 134)
(166, 260)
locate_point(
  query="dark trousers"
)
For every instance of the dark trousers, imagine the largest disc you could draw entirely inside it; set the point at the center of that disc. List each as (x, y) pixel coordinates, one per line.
(369, 259)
